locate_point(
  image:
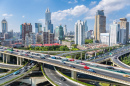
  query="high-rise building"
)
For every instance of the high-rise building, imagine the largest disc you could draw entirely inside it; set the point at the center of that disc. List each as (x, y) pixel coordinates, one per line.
(4, 26)
(10, 34)
(59, 33)
(100, 25)
(122, 36)
(48, 24)
(79, 32)
(124, 24)
(38, 27)
(114, 33)
(30, 38)
(105, 38)
(47, 38)
(86, 26)
(89, 34)
(24, 29)
(65, 30)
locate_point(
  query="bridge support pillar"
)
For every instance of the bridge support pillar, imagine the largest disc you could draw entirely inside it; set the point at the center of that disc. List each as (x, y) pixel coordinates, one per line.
(73, 75)
(74, 56)
(20, 61)
(17, 60)
(95, 53)
(106, 62)
(7, 59)
(3, 58)
(85, 56)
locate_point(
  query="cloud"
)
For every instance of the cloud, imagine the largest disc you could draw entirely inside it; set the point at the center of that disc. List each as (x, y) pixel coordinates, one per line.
(42, 21)
(108, 6)
(7, 15)
(128, 15)
(76, 11)
(90, 17)
(23, 16)
(93, 3)
(74, 1)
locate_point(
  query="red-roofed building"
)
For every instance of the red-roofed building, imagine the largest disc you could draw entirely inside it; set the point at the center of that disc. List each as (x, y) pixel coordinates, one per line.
(55, 44)
(36, 45)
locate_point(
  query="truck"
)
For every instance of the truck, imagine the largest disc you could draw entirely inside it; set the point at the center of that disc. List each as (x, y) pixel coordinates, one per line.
(17, 72)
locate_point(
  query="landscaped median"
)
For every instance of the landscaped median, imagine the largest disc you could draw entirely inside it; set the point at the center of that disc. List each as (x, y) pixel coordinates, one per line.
(73, 80)
(12, 71)
(22, 75)
(48, 77)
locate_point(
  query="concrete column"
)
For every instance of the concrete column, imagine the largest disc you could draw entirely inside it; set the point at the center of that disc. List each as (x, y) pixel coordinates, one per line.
(106, 62)
(17, 61)
(95, 53)
(0, 55)
(3, 58)
(73, 75)
(20, 61)
(75, 57)
(6, 58)
(85, 56)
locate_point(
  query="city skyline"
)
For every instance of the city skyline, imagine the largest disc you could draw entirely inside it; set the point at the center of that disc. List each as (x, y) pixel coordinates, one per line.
(66, 14)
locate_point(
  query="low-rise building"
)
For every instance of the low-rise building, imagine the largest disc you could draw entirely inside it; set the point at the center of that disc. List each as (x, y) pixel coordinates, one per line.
(105, 38)
(67, 43)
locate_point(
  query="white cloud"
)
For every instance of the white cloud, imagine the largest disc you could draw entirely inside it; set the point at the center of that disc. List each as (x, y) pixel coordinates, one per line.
(74, 1)
(93, 3)
(89, 17)
(108, 6)
(23, 16)
(128, 15)
(7, 15)
(76, 11)
(42, 21)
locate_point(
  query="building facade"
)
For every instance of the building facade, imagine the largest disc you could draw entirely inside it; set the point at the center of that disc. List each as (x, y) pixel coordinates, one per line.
(38, 27)
(105, 38)
(89, 34)
(100, 25)
(24, 29)
(47, 38)
(30, 38)
(65, 30)
(114, 33)
(48, 24)
(59, 33)
(124, 25)
(4, 26)
(79, 32)
(122, 36)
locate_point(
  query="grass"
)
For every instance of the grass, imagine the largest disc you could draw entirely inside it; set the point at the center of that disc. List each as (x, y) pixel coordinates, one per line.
(47, 77)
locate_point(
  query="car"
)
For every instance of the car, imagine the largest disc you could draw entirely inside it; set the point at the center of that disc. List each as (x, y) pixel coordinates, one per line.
(109, 67)
(5, 51)
(71, 66)
(47, 56)
(62, 78)
(31, 56)
(53, 57)
(42, 57)
(17, 72)
(63, 62)
(126, 75)
(26, 54)
(121, 71)
(37, 54)
(91, 70)
(58, 57)
(71, 60)
(86, 67)
(25, 70)
(65, 59)
(93, 64)
(11, 51)
(19, 54)
(17, 50)
(82, 63)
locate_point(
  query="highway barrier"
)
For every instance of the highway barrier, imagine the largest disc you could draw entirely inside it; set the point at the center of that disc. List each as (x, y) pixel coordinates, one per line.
(54, 84)
(72, 80)
(12, 71)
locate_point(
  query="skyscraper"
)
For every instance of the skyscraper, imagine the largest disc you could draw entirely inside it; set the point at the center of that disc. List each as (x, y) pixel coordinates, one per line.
(100, 25)
(24, 29)
(65, 30)
(48, 24)
(124, 24)
(59, 33)
(86, 26)
(79, 32)
(4, 26)
(38, 27)
(114, 33)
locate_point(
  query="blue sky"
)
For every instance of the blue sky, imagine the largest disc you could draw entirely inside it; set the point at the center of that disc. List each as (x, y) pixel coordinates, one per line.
(64, 12)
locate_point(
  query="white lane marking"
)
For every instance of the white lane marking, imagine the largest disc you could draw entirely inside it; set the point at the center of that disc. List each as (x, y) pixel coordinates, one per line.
(57, 82)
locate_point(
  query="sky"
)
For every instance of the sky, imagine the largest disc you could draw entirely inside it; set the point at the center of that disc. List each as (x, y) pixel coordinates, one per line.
(63, 12)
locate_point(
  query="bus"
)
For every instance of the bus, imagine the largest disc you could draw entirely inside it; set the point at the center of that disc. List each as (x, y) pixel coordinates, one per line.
(10, 49)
